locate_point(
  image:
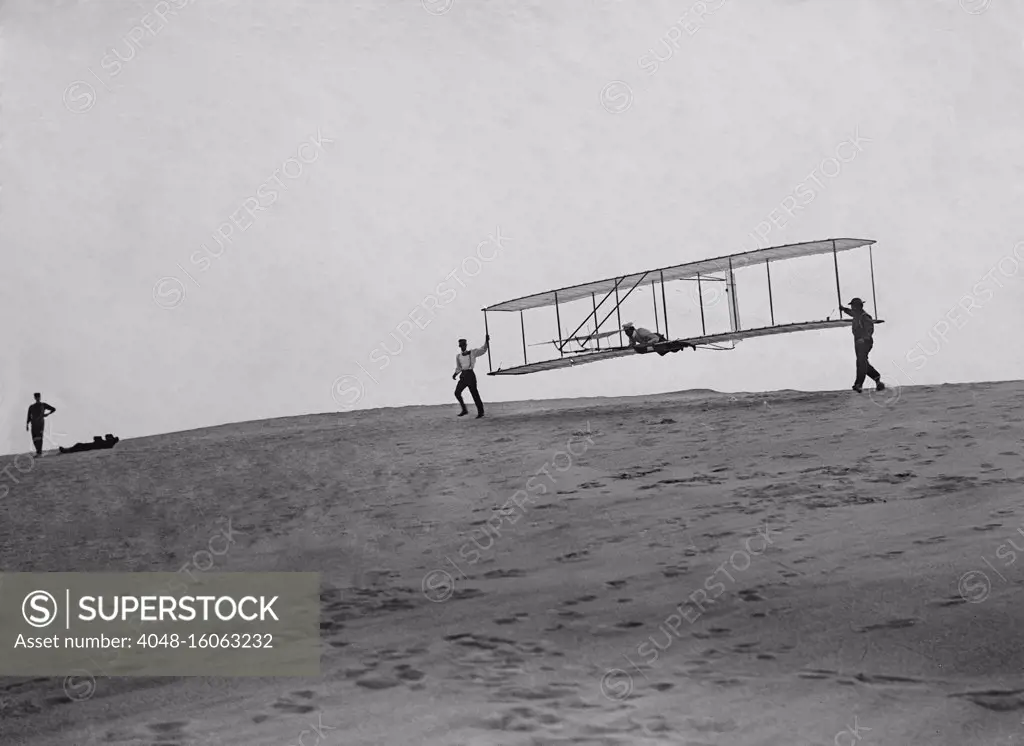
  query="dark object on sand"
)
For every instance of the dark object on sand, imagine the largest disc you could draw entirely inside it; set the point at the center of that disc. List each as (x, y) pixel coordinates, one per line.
(97, 444)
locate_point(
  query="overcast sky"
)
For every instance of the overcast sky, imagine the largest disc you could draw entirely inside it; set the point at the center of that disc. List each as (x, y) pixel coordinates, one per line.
(217, 212)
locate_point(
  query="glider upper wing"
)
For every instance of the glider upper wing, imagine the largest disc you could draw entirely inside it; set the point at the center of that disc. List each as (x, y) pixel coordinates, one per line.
(682, 272)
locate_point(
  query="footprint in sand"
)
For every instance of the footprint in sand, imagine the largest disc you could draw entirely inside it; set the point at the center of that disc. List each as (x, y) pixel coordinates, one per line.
(520, 720)
(636, 474)
(573, 556)
(988, 527)
(951, 601)
(931, 540)
(580, 600)
(297, 703)
(171, 733)
(891, 624)
(628, 625)
(514, 619)
(712, 632)
(536, 693)
(891, 478)
(355, 673)
(378, 681)
(675, 571)
(369, 677)
(711, 725)
(491, 660)
(817, 674)
(882, 679)
(995, 699)
(719, 535)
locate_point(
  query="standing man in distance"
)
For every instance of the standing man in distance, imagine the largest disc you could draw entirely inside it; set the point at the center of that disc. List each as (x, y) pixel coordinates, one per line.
(863, 341)
(467, 378)
(37, 414)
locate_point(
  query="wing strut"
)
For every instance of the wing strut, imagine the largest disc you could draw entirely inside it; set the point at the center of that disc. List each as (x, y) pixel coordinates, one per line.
(618, 314)
(487, 341)
(614, 310)
(664, 306)
(839, 294)
(597, 325)
(874, 301)
(522, 325)
(700, 297)
(734, 301)
(654, 297)
(559, 317)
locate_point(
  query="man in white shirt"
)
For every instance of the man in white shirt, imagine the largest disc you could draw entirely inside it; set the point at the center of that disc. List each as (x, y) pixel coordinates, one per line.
(467, 378)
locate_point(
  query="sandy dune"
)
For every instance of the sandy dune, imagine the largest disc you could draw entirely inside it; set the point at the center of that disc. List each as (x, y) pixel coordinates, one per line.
(700, 569)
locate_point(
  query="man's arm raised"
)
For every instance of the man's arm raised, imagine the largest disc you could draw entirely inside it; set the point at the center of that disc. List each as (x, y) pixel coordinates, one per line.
(481, 350)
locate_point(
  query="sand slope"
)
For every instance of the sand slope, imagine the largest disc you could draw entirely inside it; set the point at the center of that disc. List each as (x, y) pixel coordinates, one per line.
(829, 533)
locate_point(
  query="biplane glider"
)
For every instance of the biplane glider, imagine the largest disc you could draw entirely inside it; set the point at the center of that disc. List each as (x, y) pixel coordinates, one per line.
(577, 349)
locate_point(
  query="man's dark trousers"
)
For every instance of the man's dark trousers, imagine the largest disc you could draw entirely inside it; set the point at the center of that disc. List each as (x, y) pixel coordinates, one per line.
(864, 368)
(467, 380)
(37, 438)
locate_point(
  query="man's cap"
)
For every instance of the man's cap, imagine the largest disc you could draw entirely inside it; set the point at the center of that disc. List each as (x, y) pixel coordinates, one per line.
(628, 325)
(37, 394)
(856, 302)
(462, 341)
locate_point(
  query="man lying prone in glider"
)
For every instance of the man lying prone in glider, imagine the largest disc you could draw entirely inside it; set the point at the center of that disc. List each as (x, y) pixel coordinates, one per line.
(641, 338)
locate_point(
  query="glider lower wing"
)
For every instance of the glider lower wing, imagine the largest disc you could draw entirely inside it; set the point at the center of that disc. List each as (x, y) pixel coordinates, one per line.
(572, 361)
(580, 340)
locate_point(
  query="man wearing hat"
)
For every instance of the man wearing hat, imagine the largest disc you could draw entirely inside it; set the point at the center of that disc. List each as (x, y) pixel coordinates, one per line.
(467, 378)
(863, 332)
(640, 337)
